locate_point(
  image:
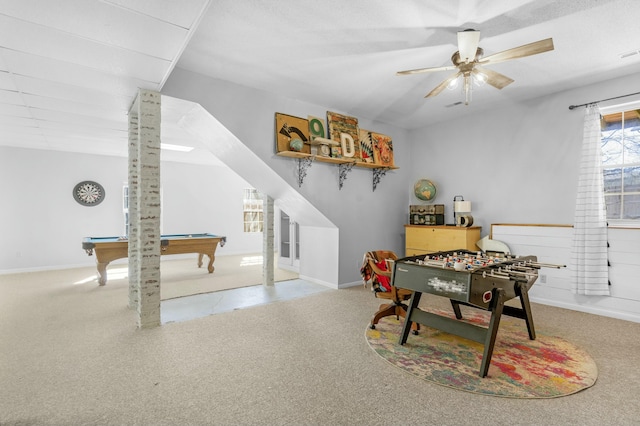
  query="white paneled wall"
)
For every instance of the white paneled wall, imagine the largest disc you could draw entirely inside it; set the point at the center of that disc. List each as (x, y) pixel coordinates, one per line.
(552, 244)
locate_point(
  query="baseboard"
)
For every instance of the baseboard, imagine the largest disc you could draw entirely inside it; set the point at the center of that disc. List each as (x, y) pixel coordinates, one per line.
(320, 282)
(351, 284)
(44, 268)
(330, 285)
(588, 309)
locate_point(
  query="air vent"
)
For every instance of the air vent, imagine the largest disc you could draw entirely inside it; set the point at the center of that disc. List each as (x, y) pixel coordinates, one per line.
(632, 53)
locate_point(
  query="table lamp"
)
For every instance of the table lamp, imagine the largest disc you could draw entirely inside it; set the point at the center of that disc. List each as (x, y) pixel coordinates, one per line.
(461, 211)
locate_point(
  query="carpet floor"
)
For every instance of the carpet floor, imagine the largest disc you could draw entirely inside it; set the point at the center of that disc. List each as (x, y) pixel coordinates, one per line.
(181, 276)
(70, 354)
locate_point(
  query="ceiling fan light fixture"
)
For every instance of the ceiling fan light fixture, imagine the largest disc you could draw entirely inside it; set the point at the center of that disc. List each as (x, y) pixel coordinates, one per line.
(470, 62)
(467, 88)
(468, 44)
(479, 79)
(468, 80)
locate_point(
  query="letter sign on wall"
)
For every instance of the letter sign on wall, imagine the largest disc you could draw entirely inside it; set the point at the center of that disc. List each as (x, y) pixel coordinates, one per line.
(348, 146)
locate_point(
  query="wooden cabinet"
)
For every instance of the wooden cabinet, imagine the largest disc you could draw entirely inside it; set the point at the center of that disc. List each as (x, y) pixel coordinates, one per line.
(422, 239)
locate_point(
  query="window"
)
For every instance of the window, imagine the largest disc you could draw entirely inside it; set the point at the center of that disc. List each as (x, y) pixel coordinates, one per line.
(252, 210)
(621, 164)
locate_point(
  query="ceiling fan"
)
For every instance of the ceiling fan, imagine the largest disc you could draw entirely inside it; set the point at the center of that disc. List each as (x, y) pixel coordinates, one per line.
(469, 63)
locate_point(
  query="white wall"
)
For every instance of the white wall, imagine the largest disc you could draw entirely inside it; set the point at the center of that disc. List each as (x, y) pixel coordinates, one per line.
(198, 198)
(42, 226)
(367, 220)
(517, 164)
(40, 222)
(552, 244)
(314, 271)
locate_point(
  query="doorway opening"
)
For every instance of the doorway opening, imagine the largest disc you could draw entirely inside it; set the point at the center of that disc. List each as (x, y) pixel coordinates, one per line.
(289, 252)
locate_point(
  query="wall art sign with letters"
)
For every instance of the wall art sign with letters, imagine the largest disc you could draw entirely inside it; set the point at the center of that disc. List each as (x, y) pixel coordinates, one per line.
(292, 133)
(344, 129)
(338, 137)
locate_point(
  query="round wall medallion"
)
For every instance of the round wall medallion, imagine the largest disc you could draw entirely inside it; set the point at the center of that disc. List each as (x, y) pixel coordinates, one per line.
(88, 193)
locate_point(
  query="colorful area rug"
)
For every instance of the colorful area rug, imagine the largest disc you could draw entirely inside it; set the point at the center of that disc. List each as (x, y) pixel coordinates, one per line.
(547, 367)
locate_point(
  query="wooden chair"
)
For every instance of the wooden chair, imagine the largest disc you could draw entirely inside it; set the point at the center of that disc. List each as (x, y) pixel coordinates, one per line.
(377, 267)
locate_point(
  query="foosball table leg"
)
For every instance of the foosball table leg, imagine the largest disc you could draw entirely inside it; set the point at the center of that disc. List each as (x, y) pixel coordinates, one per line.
(406, 328)
(528, 316)
(456, 308)
(492, 330)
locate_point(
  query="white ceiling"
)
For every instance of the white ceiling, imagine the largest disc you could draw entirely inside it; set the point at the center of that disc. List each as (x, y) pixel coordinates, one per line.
(69, 69)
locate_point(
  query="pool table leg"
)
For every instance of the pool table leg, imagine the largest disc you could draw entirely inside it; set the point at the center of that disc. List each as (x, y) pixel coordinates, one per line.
(211, 259)
(102, 273)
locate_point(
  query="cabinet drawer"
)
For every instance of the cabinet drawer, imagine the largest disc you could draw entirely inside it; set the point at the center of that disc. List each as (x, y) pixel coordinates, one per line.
(429, 239)
(449, 239)
(419, 237)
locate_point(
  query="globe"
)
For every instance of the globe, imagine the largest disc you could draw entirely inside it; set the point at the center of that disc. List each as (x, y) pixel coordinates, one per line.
(296, 145)
(424, 190)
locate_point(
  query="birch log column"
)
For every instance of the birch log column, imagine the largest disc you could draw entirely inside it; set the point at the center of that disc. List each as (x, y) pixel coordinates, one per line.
(144, 207)
(267, 241)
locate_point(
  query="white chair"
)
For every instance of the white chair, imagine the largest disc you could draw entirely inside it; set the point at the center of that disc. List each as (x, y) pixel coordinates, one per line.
(493, 246)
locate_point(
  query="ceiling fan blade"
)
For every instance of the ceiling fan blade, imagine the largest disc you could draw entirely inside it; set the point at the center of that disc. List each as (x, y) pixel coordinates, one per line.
(423, 70)
(520, 52)
(468, 41)
(440, 87)
(493, 78)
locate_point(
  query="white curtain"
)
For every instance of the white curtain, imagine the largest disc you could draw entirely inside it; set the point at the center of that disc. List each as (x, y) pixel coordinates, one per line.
(589, 261)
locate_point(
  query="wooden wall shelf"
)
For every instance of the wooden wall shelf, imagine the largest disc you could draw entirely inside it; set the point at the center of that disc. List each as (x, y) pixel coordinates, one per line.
(345, 164)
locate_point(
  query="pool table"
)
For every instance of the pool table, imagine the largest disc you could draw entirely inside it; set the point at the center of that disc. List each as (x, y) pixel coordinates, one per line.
(108, 249)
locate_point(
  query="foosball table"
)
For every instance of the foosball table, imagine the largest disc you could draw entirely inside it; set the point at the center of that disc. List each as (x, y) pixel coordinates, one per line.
(471, 279)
